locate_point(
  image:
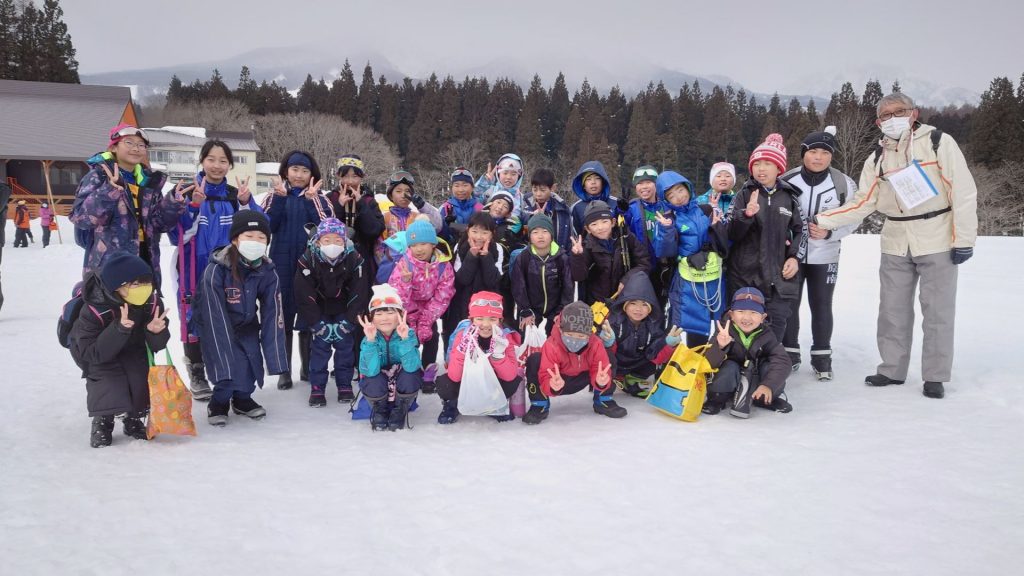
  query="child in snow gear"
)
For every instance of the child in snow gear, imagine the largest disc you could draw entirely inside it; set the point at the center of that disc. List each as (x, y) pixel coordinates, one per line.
(22, 221)
(121, 316)
(591, 183)
(752, 364)
(719, 196)
(823, 188)
(356, 207)
(641, 343)
(203, 227)
(541, 276)
(689, 235)
(239, 317)
(510, 234)
(543, 199)
(406, 206)
(768, 235)
(496, 340)
(46, 221)
(506, 175)
(330, 291)
(120, 205)
(457, 209)
(571, 360)
(641, 218)
(389, 362)
(425, 281)
(295, 202)
(478, 262)
(602, 258)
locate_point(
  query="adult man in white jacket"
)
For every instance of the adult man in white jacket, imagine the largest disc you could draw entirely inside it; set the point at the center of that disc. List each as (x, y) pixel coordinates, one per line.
(823, 188)
(920, 181)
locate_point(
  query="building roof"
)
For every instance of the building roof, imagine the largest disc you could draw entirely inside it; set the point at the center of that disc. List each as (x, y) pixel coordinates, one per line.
(188, 136)
(63, 122)
(268, 168)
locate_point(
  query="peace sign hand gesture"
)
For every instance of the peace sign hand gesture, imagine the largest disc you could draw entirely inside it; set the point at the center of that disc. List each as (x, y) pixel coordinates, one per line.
(125, 320)
(724, 337)
(113, 177)
(314, 189)
(556, 382)
(158, 323)
(752, 206)
(604, 374)
(403, 328)
(279, 188)
(369, 330)
(577, 245)
(662, 219)
(243, 190)
(491, 171)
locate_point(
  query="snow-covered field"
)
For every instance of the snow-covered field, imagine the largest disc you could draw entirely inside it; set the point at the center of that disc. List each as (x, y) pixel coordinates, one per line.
(855, 481)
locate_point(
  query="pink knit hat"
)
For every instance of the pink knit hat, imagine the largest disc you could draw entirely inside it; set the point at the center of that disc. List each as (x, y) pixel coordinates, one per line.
(773, 150)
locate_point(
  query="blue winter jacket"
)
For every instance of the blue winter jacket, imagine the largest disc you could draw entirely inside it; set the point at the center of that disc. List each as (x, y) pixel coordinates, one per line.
(689, 230)
(559, 213)
(636, 219)
(606, 194)
(236, 320)
(382, 352)
(724, 202)
(462, 210)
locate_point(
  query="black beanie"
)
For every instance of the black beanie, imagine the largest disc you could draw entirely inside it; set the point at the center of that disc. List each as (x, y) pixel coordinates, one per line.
(122, 268)
(245, 220)
(826, 140)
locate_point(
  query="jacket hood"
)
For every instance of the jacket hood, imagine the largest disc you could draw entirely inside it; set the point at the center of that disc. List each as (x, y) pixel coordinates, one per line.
(515, 157)
(667, 180)
(220, 257)
(636, 285)
(443, 253)
(577, 182)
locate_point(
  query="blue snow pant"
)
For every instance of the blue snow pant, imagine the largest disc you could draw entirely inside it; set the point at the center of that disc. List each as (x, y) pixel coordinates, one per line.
(320, 356)
(377, 386)
(244, 375)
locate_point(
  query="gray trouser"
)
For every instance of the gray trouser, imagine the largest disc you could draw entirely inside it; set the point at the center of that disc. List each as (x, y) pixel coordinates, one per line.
(899, 277)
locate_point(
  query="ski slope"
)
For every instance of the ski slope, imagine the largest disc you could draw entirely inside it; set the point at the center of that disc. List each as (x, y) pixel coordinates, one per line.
(855, 481)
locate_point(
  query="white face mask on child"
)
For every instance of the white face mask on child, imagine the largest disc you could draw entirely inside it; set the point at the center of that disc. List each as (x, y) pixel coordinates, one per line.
(252, 250)
(332, 251)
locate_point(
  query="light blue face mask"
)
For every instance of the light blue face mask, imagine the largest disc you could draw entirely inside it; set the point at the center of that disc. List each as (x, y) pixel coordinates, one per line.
(574, 344)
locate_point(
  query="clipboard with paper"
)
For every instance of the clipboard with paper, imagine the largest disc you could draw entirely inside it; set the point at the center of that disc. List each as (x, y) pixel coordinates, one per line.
(912, 185)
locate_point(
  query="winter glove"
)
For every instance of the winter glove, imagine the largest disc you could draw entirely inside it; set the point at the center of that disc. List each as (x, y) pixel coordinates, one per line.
(418, 201)
(499, 344)
(450, 217)
(607, 335)
(622, 204)
(698, 260)
(961, 255)
(674, 337)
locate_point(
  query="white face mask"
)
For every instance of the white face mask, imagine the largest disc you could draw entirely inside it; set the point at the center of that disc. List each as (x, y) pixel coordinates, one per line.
(252, 250)
(895, 127)
(332, 251)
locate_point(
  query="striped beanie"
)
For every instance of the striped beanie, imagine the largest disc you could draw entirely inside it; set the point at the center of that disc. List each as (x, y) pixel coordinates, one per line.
(772, 150)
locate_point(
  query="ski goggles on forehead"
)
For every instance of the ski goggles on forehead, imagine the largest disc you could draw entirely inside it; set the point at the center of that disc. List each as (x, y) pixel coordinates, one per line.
(402, 177)
(485, 303)
(389, 302)
(130, 131)
(645, 173)
(462, 172)
(748, 296)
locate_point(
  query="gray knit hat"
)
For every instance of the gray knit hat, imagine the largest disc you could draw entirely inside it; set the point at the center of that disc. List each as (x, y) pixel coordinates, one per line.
(577, 317)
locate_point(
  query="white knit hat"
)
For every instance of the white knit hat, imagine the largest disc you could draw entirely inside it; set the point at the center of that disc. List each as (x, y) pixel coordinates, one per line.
(720, 166)
(385, 296)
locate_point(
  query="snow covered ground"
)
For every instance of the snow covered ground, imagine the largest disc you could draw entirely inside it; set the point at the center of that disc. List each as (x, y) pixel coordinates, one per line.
(855, 481)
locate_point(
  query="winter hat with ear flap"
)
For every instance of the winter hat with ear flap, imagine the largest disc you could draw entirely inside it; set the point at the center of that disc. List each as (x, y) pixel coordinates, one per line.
(773, 150)
(385, 296)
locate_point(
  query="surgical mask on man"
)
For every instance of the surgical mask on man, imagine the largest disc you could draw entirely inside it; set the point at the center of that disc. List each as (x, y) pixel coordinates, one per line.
(895, 127)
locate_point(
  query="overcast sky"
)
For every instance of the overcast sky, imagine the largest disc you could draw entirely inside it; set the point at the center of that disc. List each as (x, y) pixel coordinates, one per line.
(764, 45)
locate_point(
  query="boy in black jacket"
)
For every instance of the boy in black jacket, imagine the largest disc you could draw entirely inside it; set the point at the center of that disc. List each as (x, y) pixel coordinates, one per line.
(768, 235)
(331, 288)
(541, 278)
(752, 364)
(121, 314)
(609, 250)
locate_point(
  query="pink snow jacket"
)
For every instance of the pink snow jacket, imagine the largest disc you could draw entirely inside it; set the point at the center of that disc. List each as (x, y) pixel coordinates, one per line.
(505, 368)
(426, 288)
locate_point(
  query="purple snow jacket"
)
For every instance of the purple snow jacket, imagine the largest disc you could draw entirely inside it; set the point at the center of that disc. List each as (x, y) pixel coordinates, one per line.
(113, 218)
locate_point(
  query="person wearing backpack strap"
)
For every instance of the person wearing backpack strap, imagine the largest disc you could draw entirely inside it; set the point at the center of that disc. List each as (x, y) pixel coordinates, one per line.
(822, 188)
(921, 242)
(120, 316)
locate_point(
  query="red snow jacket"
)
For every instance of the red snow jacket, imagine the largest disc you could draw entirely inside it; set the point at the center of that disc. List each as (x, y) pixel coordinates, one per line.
(554, 353)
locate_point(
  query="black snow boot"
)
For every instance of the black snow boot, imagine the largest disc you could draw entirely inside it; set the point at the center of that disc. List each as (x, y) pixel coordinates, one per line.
(398, 419)
(449, 412)
(604, 405)
(821, 363)
(133, 425)
(102, 431)
(715, 403)
(305, 341)
(248, 407)
(217, 414)
(779, 404)
(538, 412)
(794, 358)
(284, 381)
(881, 380)
(380, 412)
(345, 394)
(934, 390)
(741, 399)
(197, 382)
(317, 397)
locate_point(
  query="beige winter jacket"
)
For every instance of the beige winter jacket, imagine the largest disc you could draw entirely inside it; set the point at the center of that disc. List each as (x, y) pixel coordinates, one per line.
(950, 175)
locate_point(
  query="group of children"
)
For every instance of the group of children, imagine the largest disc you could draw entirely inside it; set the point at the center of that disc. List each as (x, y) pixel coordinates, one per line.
(366, 283)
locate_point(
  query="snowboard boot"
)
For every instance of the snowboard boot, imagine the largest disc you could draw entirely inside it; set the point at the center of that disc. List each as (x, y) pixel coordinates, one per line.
(449, 412)
(538, 412)
(399, 417)
(345, 394)
(794, 358)
(380, 412)
(881, 380)
(197, 382)
(305, 342)
(934, 390)
(821, 363)
(741, 399)
(133, 425)
(715, 403)
(217, 414)
(248, 407)
(778, 404)
(429, 375)
(317, 397)
(102, 433)
(604, 405)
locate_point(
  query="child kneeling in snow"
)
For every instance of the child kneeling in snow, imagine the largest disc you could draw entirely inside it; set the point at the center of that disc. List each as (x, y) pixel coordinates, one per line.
(497, 341)
(389, 359)
(641, 343)
(121, 315)
(572, 359)
(752, 364)
(238, 312)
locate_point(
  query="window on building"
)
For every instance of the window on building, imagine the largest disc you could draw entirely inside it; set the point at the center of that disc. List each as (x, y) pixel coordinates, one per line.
(241, 159)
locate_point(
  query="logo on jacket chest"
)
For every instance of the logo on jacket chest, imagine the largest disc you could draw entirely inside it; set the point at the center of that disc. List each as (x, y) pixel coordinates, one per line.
(785, 212)
(233, 295)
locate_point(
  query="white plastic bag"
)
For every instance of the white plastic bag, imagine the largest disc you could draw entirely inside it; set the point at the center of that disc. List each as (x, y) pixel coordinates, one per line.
(480, 393)
(533, 341)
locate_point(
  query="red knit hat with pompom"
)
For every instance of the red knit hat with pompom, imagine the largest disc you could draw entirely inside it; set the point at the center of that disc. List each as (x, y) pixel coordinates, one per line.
(773, 150)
